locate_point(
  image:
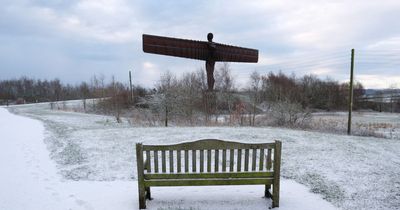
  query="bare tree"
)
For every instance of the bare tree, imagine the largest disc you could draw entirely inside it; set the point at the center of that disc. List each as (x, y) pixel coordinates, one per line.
(225, 85)
(85, 92)
(165, 99)
(392, 95)
(201, 81)
(94, 86)
(117, 101)
(255, 86)
(56, 88)
(190, 92)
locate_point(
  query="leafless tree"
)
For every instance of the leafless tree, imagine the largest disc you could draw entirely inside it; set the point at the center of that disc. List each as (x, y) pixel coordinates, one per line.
(392, 94)
(165, 99)
(85, 93)
(255, 86)
(225, 86)
(189, 90)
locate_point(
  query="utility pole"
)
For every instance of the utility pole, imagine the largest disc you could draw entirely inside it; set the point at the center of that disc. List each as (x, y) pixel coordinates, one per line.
(130, 86)
(350, 93)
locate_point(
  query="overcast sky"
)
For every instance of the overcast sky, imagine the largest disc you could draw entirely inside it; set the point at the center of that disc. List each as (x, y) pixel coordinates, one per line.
(73, 40)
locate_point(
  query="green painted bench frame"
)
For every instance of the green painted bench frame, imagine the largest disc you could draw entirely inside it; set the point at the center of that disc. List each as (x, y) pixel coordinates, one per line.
(228, 170)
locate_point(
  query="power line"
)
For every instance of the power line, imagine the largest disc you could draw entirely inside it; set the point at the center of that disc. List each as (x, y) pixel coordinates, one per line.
(365, 59)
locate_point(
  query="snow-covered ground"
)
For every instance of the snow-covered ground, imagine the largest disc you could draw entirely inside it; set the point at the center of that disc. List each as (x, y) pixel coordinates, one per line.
(378, 124)
(99, 154)
(30, 181)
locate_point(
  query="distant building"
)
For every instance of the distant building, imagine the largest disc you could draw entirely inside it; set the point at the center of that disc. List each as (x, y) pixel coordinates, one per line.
(20, 101)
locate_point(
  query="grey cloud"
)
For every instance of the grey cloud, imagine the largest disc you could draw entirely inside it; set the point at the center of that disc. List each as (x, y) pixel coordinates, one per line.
(73, 40)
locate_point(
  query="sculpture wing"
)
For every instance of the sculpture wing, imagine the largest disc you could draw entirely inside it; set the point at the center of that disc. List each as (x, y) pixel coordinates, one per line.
(197, 49)
(175, 47)
(227, 53)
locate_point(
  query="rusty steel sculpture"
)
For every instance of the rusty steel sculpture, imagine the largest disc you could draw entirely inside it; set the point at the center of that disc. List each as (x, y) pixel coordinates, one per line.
(210, 52)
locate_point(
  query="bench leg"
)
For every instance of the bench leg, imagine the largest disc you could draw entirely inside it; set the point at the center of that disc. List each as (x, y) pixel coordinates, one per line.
(275, 195)
(148, 193)
(142, 198)
(267, 192)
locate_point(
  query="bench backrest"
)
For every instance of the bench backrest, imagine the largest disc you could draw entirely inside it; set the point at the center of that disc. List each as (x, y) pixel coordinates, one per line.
(209, 156)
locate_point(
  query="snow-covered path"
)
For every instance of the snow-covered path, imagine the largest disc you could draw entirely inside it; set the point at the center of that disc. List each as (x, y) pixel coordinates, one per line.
(28, 177)
(29, 180)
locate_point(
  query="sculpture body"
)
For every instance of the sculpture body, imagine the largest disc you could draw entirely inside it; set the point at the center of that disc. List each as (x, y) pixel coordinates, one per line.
(210, 52)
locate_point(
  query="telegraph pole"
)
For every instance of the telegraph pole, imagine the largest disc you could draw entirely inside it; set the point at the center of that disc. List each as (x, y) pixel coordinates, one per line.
(130, 86)
(350, 93)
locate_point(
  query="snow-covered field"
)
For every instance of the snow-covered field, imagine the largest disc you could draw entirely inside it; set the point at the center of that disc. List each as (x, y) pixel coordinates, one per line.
(386, 125)
(95, 165)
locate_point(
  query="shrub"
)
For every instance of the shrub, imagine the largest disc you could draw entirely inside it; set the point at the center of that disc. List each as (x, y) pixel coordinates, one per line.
(289, 114)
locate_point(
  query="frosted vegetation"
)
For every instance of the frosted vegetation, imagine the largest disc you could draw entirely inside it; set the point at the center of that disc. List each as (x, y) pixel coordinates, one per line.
(270, 99)
(351, 172)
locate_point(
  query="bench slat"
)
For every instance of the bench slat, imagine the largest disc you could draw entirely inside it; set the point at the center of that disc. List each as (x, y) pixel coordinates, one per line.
(208, 144)
(171, 161)
(194, 161)
(156, 161)
(269, 161)
(239, 160)
(148, 161)
(224, 160)
(216, 164)
(179, 161)
(208, 160)
(254, 160)
(261, 164)
(163, 161)
(186, 161)
(231, 159)
(206, 182)
(264, 174)
(246, 160)
(201, 160)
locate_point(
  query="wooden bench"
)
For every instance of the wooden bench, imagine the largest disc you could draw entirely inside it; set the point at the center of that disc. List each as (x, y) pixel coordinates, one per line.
(208, 162)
